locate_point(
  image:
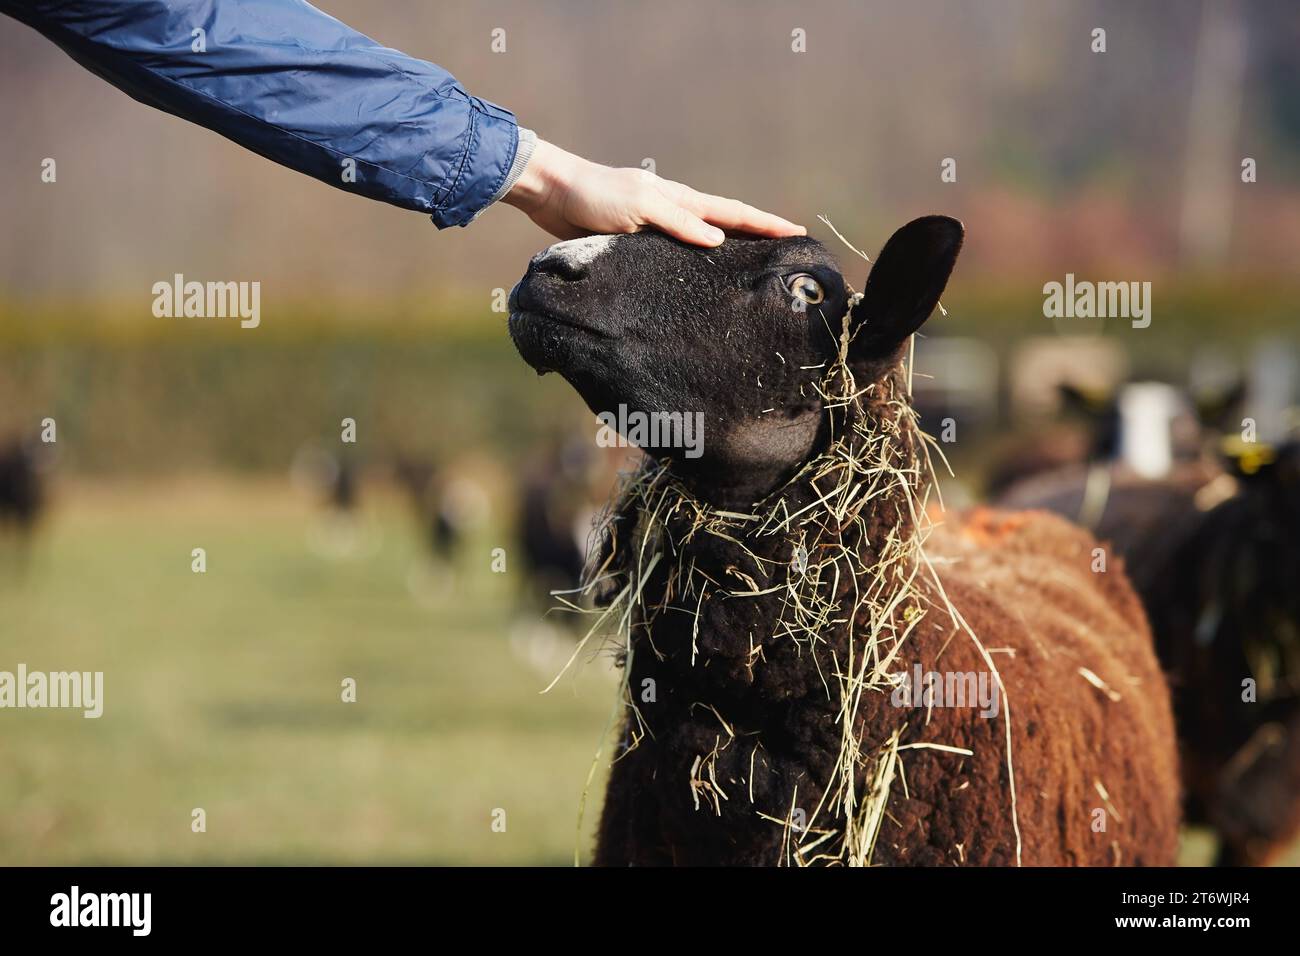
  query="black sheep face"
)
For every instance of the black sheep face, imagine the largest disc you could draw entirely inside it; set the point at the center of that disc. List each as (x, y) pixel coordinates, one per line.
(642, 324)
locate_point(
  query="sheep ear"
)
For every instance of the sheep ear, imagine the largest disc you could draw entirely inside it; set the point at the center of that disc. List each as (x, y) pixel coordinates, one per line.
(905, 284)
(1081, 401)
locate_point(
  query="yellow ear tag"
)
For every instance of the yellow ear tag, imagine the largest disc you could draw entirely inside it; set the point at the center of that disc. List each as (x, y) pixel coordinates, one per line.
(1250, 457)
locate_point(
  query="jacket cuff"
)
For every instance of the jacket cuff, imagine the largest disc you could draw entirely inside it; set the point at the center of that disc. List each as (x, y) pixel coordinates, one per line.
(523, 153)
(492, 146)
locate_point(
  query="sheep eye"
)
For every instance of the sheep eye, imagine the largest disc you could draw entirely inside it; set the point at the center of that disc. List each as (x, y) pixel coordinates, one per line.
(805, 287)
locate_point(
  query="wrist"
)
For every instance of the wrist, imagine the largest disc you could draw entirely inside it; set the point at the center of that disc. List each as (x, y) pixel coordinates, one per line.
(547, 168)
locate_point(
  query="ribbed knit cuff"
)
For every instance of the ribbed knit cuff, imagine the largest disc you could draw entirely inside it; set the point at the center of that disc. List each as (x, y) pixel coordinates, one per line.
(523, 153)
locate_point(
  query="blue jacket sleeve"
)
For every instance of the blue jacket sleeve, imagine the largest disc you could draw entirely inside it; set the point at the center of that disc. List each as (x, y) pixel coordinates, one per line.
(297, 86)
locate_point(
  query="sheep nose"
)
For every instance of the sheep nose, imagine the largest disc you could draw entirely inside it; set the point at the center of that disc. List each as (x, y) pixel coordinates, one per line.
(561, 267)
(571, 260)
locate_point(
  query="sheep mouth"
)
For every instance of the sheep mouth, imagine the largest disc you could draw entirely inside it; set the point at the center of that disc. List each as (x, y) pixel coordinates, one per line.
(549, 342)
(524, 317)
(525, 309)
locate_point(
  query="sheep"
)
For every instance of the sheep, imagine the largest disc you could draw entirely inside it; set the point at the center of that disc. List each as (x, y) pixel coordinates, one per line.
(1215, 559)
(563, 485)
(552, 498)
(774, 596)
(1150, 426)
(23, 493)
(440, 526)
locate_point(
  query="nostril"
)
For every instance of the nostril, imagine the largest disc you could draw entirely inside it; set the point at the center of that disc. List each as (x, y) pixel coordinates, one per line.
(570, 260)
(563, 267)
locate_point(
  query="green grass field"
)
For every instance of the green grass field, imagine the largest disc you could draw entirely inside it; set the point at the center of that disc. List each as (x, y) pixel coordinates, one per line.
(223, 691)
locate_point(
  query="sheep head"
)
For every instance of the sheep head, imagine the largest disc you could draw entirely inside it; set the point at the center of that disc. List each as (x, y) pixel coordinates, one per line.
(643, 325)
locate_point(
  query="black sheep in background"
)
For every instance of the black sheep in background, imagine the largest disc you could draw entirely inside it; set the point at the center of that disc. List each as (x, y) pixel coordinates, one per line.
(22, 490)
(1215, 556)
(332, 478)
(344, 489)
(440, 526)
(449, 502)
(1227, 608)
(1092, 428)
(563, 488)
(549, 544)
(557, 504)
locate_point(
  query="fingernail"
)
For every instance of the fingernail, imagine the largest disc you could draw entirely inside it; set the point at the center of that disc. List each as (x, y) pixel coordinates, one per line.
(714, 235)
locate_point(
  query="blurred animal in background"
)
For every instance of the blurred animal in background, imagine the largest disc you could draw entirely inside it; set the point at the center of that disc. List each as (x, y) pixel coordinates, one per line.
(565, 484)
(23, 494)
(442, 528)
(332, 479)
(959, 384)
(1140, 454)
(1223, 595)
(1212, 545)
(551, 527)
(450, 506)
(343, 489)
(549, 533)
(1049, 390)
(1149, 427)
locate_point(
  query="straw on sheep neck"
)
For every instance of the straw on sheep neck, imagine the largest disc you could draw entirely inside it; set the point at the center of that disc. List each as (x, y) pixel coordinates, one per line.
(850, 574)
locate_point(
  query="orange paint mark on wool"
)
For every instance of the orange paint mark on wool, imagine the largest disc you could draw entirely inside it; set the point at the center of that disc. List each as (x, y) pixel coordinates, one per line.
(987, 527)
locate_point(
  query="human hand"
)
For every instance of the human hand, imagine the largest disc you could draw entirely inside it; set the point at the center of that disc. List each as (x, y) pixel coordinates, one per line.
(570, 197)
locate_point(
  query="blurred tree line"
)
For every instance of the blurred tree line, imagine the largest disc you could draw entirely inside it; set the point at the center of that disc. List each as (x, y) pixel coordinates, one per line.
(1065, 157)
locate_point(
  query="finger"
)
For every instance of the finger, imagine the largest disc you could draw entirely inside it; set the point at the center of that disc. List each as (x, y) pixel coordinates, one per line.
(737, 216)
(679, 222)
